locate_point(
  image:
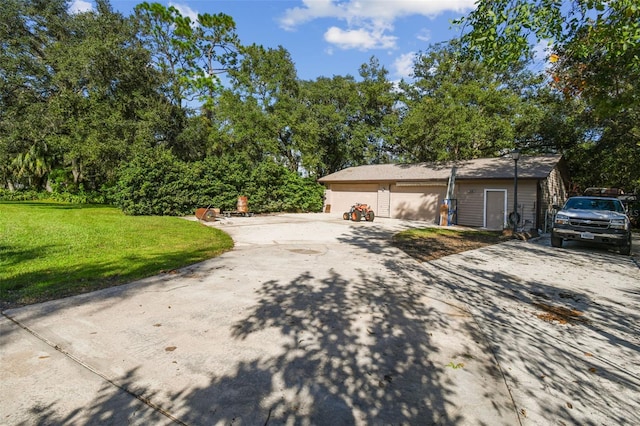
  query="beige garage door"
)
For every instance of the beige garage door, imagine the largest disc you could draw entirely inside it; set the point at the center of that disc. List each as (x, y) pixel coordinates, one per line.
(417, 202)
(343, 196)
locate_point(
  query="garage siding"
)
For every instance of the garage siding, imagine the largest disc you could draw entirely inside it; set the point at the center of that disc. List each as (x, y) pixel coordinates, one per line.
(422, 202)
(470, 203)
(552, 191)
(470, 197)
(417, 202)
(527, 203)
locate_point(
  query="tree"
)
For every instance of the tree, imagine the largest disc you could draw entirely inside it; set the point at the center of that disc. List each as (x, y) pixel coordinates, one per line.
(595, 56)
(261, 112)
(349, 122)
(102, 94)
(377, 118)
(459, 109)
(333, 108)
(26, 31)
(75, 91)
(190, 55)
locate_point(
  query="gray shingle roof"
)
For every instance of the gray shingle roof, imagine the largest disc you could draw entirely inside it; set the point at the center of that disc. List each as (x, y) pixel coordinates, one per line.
(537, 167)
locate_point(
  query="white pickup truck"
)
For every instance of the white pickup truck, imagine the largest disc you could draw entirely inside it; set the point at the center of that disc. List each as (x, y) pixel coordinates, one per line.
(599, 220)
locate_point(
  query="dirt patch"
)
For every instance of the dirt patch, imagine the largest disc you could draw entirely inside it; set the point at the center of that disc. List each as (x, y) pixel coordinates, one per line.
(435, 246)
(559, 314)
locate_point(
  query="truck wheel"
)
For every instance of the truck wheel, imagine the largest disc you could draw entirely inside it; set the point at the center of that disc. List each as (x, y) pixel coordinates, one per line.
(210, 216)
(356, 216)
(556, 241)
(345, 216)
(626, 249)
(369, 216)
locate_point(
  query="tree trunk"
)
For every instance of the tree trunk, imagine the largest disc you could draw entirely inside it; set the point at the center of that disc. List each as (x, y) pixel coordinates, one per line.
(76, 170)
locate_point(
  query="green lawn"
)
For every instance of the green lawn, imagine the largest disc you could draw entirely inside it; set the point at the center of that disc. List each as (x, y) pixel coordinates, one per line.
(53, 250)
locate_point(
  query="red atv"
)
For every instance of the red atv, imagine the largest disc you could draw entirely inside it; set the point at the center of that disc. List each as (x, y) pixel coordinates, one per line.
(358, 211)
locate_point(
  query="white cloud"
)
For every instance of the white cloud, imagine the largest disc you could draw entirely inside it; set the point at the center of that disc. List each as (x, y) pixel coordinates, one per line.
(313, 9)
(367, 22)
(186, 11)
(362, 10)
(403, 65)
(80, 6)
(424, 35)
(541, 52)
(361, 39)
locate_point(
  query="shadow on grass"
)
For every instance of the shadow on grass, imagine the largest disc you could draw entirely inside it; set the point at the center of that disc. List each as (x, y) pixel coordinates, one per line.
(10, 256)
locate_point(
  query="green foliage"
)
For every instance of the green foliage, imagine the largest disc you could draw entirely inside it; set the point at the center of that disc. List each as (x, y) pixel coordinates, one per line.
(95, 98)
(504, 32)
(158, 183)
(78, 94)
(274, 188)
(261, 112)
(459, 109)
(594, 61)
(189, 57)
(78, 197)
(24, 195)
(155, 183)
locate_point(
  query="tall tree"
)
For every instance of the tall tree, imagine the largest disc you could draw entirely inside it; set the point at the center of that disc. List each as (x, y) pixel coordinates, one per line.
(333, 107)
(377, 118)
(349, 122)
(26, 31)
(190, 55)
(103, 94)
(595, 57)
(261, 111)
(77, 91)
(457, 109)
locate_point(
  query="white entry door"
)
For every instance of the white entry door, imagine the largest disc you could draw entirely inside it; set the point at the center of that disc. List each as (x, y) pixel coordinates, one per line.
(495, 207)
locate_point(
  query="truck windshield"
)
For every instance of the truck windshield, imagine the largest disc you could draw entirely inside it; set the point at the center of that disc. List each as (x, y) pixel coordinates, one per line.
(594, 204)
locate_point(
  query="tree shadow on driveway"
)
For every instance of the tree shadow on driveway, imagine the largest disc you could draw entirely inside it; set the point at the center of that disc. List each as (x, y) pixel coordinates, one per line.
(561, 324)
(358, 352)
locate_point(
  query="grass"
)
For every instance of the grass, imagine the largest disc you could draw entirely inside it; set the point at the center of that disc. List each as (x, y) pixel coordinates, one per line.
(426, 244)
(53, 250)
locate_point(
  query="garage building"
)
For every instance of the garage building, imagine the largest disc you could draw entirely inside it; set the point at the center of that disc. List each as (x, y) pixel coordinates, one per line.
(479, 192)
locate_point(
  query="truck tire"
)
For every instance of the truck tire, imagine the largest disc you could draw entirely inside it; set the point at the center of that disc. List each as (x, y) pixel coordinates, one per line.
(345, 216)
(626, 249)
(556, 241)
(356, 216)
(369, 216)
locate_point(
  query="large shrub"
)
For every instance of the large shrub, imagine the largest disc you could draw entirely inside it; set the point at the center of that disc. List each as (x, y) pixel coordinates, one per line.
(158, 183)
(155, 183)
(274, 188)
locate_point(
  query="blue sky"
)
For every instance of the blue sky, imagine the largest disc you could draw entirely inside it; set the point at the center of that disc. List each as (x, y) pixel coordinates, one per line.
(328, 37)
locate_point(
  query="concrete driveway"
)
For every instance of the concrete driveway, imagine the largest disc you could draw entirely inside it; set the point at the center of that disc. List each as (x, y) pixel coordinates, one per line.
(314, 320)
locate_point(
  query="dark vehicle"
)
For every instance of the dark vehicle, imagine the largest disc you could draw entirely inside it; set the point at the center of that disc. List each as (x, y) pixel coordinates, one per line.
(599, 220)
